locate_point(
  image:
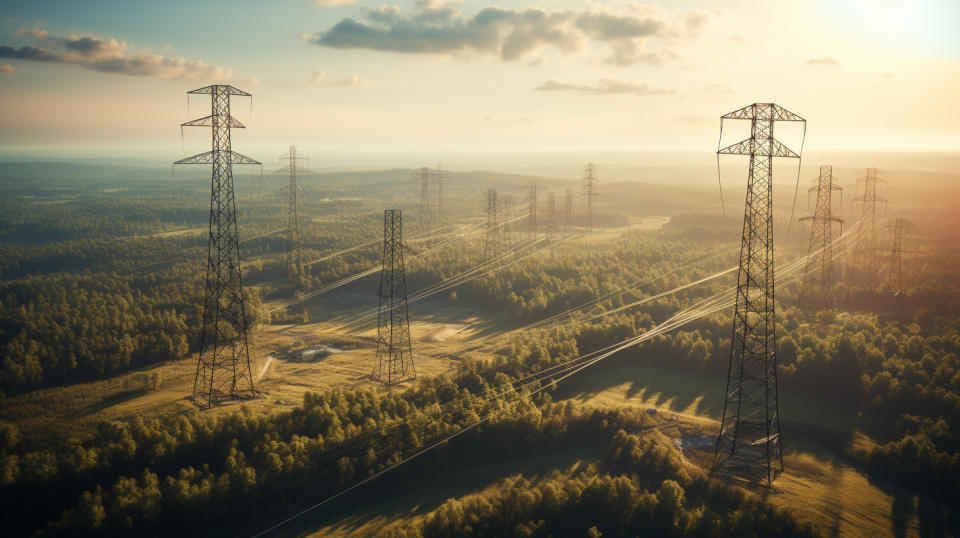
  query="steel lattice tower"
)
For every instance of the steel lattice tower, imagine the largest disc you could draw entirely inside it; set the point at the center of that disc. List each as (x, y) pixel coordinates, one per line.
(866, 252)
(223, 366)
(820, 271)
(294, 236)
(421, 176)
(493, 241)
(507, 206)
(749, 444)
(551, 213)
(441, 180)
(567, 210)
(394, 349)
(532, 208)
(589, 188)
(897, 229)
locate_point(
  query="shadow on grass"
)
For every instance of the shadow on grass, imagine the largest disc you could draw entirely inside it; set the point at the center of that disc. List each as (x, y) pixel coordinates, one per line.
(427, 488)
(110, 401)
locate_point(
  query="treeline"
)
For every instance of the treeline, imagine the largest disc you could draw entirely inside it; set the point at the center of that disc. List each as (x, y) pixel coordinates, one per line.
(641, 486)
(149, 475)
(901, 372)
(65, 328)
(567, 275)
(303, 456)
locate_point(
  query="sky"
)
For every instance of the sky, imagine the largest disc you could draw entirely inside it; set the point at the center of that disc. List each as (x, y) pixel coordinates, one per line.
(109, 78)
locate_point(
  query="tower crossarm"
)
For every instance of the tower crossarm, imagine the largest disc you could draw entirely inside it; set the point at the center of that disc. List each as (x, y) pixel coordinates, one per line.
(300, 171)
(207, 158)
(762, 111)
(223, 89)
(207, 121)
(750, 146)
(870, 198)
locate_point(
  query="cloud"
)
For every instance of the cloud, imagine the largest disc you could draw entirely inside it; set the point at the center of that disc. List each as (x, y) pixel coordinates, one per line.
(511, 34)
(334, 3)
(719, 89)
(607, 86)
(316, 78)
(6, 69)
(352, 81)
(384, 14)
(26, 52)
(827, 61)
(698, 119)
(319, 78)
(112, 56)
(38, 33)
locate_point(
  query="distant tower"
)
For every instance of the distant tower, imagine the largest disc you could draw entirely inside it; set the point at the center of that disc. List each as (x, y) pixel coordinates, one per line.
(866, 251)
(223, 366)
(493, 243)
(394, 348)
(899, 231)
(532, 208)
(294, 256)
(589, 190)
(507, 206)
(749, 444)
(421, 176)
(819, 272)
(552, 213)
(567, 210)
(441, 180)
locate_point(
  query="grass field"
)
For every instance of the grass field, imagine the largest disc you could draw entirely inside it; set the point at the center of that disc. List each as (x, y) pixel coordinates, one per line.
(817, 484)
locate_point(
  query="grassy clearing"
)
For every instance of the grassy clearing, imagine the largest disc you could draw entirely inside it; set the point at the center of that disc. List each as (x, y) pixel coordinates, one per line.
(817, 484)
(73, 411)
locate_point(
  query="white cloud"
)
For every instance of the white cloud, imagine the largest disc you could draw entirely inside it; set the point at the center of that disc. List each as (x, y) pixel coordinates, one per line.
(607, 86)
(317, 77)
(112, 56)
(351, 81)
(827, 61)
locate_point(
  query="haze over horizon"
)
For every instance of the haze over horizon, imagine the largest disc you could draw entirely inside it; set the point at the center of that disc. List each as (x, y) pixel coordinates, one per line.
(107, 79)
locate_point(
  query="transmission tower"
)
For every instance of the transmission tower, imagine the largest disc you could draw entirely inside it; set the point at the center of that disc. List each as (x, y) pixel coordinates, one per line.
(819, 271)
(531, 189)
(507, 205)
(493, 243)
(899, 231)
(294, 236)
(589, 190)
(551, 213)
(866, 252)
(223, 366)
(441, 179)
(567, 210)
(749, 444)
(421, 176)
(394, 348)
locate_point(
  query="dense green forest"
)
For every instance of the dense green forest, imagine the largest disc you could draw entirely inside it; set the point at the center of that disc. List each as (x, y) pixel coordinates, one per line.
(101, 277)
(150, 476)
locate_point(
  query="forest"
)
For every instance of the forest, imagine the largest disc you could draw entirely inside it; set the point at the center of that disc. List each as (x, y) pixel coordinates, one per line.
(98, 282)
